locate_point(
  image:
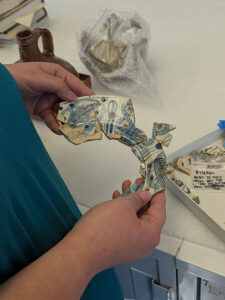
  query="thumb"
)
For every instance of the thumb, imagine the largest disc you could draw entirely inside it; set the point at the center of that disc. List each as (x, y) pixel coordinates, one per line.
(139, 199)
(58, 86)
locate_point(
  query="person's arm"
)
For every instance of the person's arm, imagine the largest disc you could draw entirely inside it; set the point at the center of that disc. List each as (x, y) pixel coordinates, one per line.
(60, 274)
(111, 233)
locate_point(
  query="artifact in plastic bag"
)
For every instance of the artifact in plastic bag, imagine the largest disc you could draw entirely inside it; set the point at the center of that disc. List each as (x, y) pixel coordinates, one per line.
(109, 52)
(114, 48)
(29, 51)
(86, 118)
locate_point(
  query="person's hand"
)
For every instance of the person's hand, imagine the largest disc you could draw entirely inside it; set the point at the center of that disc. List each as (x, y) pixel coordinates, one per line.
(113, 232)
(43, 85)
(125, 185)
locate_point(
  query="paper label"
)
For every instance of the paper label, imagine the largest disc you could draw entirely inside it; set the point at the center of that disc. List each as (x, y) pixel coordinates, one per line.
(208, 176)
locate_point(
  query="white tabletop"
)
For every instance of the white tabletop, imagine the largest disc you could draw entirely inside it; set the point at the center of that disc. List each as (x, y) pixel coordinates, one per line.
(187, 62)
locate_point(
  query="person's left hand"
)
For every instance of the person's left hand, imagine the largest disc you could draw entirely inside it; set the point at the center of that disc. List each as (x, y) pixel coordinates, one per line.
(125, 185)
(43, 85)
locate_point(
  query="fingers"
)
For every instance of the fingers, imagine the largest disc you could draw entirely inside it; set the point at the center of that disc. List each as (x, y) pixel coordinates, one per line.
(125, 185)
(139, 181)
(156, 214)
(78, 86)
(56, 83)
(46, 109)
(116, 194)
(75, 88)
(159, 199)
(139, 199)
(48, 117)
(57, 86)
(143, 210)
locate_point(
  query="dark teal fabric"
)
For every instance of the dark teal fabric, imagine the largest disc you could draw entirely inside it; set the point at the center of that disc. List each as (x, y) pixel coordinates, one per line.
(36, 208)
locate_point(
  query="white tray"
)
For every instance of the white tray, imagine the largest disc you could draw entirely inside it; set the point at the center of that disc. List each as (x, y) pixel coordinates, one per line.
(211, 209)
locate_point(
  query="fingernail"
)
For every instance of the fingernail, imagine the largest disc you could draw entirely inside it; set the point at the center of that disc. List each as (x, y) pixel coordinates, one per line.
(71, 95)
(145, 196)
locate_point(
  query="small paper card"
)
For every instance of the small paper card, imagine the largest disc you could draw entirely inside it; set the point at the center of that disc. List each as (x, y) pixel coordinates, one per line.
(208, 176)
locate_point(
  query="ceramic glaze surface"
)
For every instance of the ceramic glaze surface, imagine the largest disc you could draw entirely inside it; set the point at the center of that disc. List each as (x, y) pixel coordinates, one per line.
(86, 118)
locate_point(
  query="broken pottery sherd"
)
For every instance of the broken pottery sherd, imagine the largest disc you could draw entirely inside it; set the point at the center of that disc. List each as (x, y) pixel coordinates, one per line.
(86, 118)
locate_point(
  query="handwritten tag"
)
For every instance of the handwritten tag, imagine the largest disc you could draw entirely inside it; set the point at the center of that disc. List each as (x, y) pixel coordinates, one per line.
(208, 176)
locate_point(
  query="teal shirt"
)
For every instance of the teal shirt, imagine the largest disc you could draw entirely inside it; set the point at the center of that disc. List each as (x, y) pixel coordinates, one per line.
(36, 208)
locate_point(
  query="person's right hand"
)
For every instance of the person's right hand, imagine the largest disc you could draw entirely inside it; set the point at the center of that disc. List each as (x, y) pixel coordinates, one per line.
(113, 232)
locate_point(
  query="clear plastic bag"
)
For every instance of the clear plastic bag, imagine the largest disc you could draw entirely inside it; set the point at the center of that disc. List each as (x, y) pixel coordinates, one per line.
(114, 47)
